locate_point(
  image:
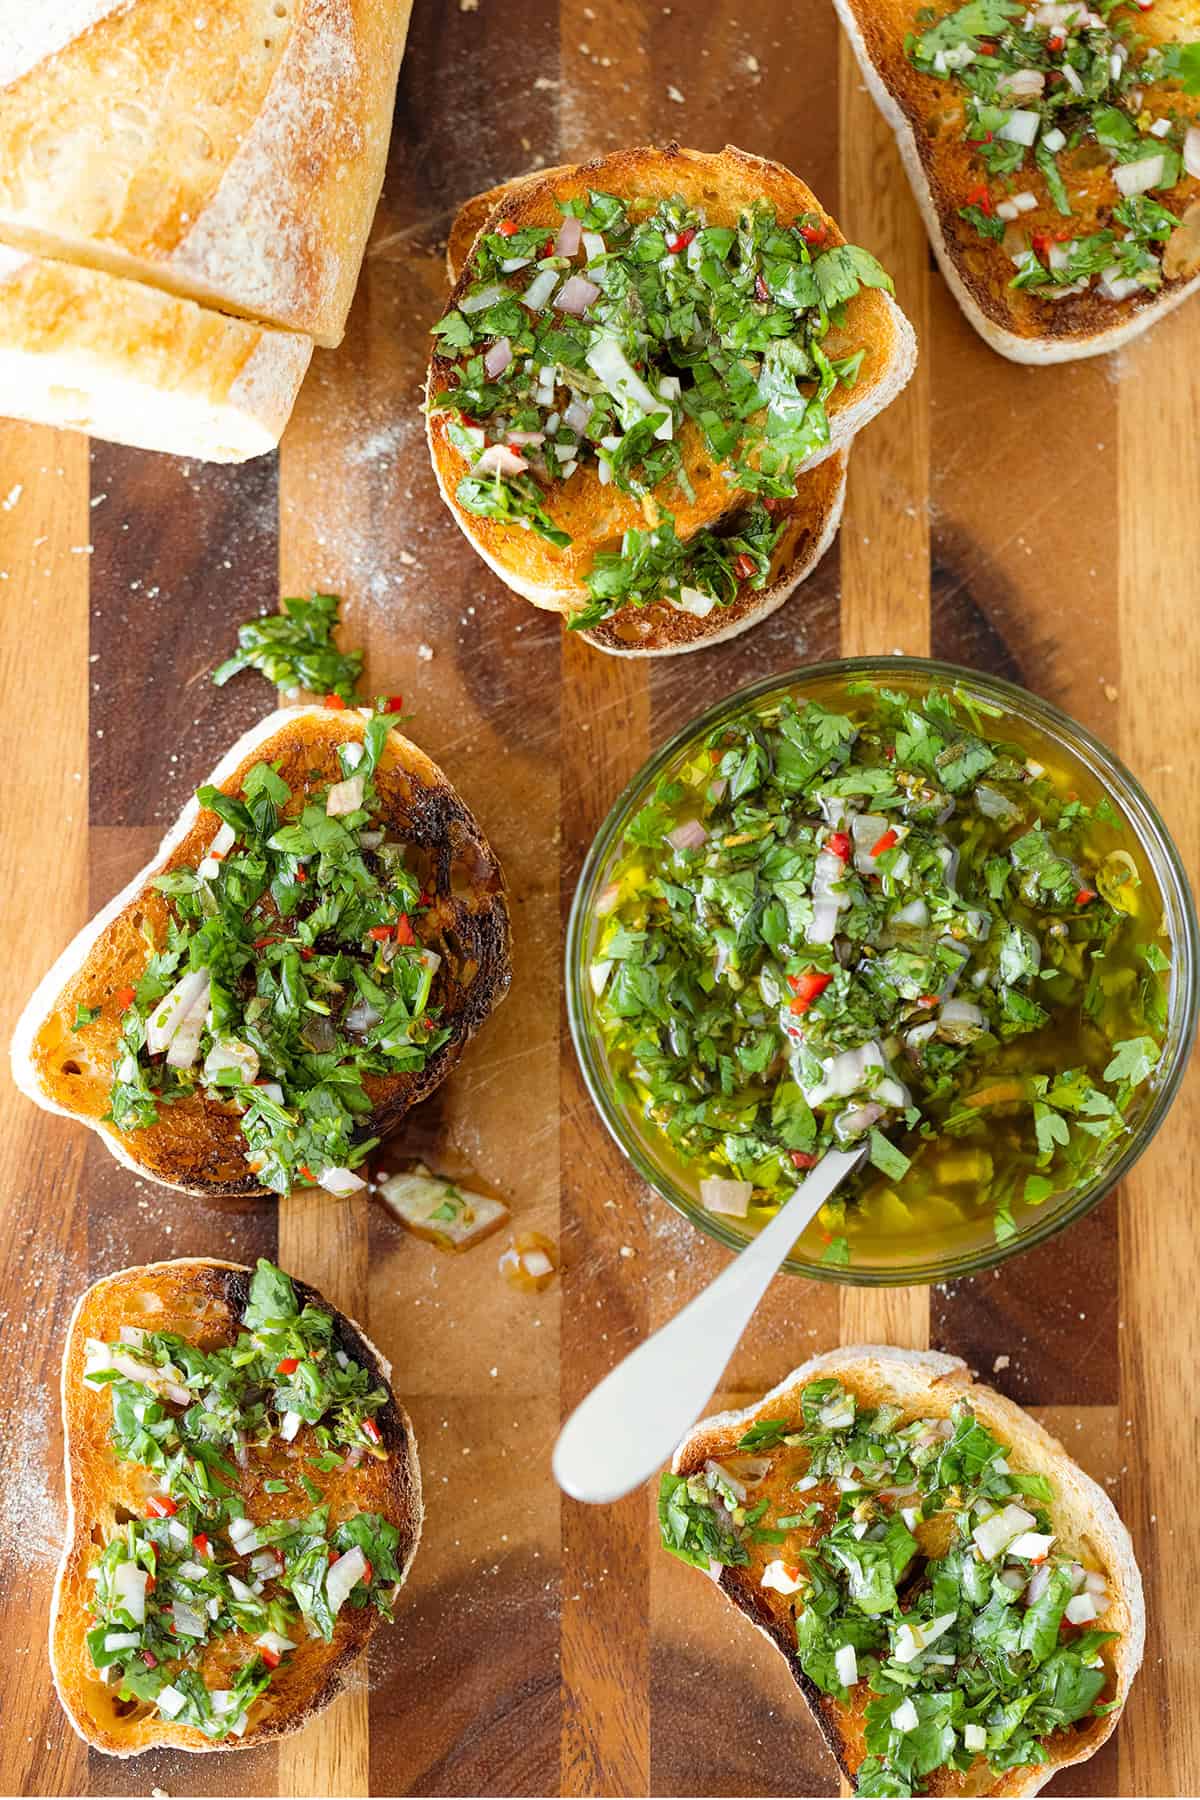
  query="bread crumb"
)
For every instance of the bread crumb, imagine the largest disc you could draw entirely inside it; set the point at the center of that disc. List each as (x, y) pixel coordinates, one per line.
(674, 94)
(11, 498)
(1001, 1362)
(468, 5)
(628, 1250)
(425, 652)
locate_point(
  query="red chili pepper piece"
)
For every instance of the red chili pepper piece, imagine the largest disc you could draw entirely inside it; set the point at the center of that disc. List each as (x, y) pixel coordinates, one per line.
(980, 197)
(985, 139)
(804, 1159)
(306, 955)
(161, 1506)
(813, 234)
(838, 843)
(394, 703)
(151, 1583)
(761, 290)
(262, 942)
(372, 1430)
(301, 872)
(506, 228)
(1041, 241)
(987, 49)
(201, 1544)
(124, 998)
(149, 1658)
(806, 988)
(380, 933)
(287, 1366)
(272, 1658)
(928, 1000)
(887, 842)
(1085, 896)
(306, 1172)
(744, 566)
(369, 1571)
(681, 240)
(335, 703)
(404, 931)
(1056, 42)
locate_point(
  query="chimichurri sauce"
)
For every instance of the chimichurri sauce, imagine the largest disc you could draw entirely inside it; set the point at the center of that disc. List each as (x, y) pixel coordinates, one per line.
(891, 915)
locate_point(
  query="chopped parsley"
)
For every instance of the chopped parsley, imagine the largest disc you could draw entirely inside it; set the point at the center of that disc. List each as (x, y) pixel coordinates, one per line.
(672, 326)
(295, 649)
(197, 1588)
(926, 1578)
(1074, 119)
(291, 972)
(874, 917)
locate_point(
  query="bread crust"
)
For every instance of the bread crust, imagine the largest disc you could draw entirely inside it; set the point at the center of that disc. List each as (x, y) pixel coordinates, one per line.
(597, 516)
(88, 351)
(203, 1297)
(1015, 323)
(197, 1145)
(926, 1384)
(240, 164)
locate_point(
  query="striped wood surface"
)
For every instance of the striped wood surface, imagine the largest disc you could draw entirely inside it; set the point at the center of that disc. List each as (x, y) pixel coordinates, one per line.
(1038, 524)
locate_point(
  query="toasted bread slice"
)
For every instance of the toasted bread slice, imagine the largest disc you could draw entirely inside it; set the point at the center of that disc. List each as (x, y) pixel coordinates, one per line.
(940, 169)
(596, 516)
(203, 1300)
(926, 1385)
(811, 518)
(197, 1145)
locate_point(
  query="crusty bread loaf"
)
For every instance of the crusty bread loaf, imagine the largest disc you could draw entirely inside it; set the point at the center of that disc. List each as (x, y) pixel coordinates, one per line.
(811, 518)
(1015, 322)
(197, 1145)
(926, 1384)
(230, 153)
(202, 1300)
(92, 352)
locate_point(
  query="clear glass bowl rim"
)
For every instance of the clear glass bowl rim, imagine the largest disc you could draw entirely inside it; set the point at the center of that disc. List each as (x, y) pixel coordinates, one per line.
(1179, 908)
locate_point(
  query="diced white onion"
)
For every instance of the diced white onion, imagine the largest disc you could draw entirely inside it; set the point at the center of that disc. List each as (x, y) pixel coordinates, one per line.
(343, 1577)
(186, 1621)
(128, 1584)
(1139, 177)
(173, 1008)
(241, 1531)
(1191, 150)
(239, 1589)
(594, 246)
(721, 1195)
(1021, 84)
(1032, 1544)
(692, 600)
(1082, 1609)
(1115, 286)
(289, 1425)
(613, 369)
(1052, 140)
(341, 1181)
(577, 415)
(1025, 202)
(231, 1053)
(1020, 127)
(121, 1640)
(537, 294)
(170, 1701)
(974, 1737)
(997, 1532)
(691, 835)
(345, 796)
(1072, 78)
(570, 232)
(845, 1664)
(782, 1577)
(906, 1717)
(275, 1641)
(483, 297)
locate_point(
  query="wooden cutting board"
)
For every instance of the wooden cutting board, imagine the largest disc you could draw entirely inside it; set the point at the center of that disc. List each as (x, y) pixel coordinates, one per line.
(1040, 524)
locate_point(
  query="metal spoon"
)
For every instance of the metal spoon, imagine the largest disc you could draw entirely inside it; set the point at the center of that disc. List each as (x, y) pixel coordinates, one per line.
(629, 1424)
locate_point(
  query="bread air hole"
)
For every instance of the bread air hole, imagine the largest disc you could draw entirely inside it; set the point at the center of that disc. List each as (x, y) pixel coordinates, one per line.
(71, 1068)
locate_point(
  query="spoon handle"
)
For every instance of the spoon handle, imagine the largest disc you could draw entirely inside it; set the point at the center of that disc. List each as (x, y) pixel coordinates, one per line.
(629, 1424)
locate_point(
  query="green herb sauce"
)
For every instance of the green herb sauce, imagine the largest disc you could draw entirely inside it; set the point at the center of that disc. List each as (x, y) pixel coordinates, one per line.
(884, 915)
(929, 1592)
(689, 321)
(184, 1598)
(1074, 119)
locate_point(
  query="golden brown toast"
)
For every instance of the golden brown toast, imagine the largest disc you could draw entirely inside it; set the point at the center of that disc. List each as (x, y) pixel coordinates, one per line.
(197, 1145)
(202, 1300)
(926, 115)
(812, 516)
(596, 516)
(926, 1384)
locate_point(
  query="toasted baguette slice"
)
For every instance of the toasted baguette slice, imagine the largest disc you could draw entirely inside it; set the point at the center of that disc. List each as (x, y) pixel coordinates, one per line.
(203, 1300)
(812, 517)
(596, 516)
(232, 154)
(926, 1384)
(92, 352)
(197, 1145)
(1015, 322)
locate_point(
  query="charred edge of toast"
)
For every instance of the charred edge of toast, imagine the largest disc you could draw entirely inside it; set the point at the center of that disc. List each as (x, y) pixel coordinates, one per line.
(810, 519)
(229, 1283)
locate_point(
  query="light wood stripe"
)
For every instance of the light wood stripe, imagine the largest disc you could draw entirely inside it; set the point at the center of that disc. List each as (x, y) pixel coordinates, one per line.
(884, 545)
(43, 602)
(322, 1238)
(1159, 508)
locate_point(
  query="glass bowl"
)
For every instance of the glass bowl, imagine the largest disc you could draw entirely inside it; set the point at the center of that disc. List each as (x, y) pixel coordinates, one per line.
(651, 1156)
